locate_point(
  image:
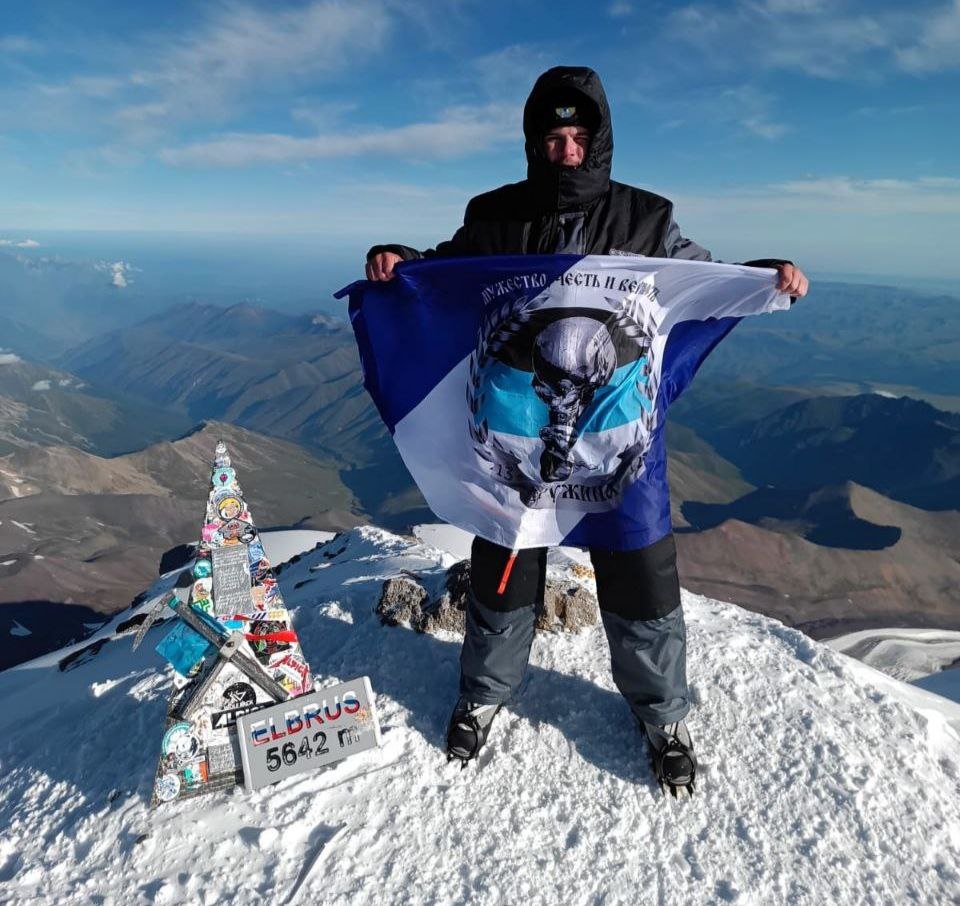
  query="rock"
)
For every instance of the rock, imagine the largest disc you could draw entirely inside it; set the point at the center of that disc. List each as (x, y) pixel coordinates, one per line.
(449, 611)
(401, 601)
(568, 607)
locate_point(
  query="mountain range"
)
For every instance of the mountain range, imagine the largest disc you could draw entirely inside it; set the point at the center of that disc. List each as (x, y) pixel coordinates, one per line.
(767, 479)
(296, 377)
(40, 405)
(79, 532)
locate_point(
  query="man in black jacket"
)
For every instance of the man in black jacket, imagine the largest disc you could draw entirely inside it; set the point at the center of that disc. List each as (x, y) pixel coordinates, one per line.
(569, 204)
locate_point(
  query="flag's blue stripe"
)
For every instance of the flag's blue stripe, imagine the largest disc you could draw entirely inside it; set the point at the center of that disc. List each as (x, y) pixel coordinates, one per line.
(410, 335)
(688, 344)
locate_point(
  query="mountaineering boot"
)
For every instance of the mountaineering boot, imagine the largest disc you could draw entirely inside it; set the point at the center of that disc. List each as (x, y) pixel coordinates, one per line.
(468, 729)
(671, 750)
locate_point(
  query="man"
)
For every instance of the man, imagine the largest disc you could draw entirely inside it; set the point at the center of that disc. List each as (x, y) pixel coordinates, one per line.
(569, 204)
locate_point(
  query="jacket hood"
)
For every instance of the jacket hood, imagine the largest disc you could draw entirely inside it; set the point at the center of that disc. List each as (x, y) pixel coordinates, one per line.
(563, 188)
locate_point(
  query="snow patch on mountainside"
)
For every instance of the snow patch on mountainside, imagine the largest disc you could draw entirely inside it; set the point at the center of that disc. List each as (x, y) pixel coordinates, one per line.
(905, 654)
(19, 629)
(817, 784)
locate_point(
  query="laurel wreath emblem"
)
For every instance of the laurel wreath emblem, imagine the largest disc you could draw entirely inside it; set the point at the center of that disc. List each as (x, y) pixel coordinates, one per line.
(500, 325)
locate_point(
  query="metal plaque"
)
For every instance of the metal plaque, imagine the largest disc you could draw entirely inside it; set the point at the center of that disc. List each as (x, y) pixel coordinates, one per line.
(307, 732)
(231, 580)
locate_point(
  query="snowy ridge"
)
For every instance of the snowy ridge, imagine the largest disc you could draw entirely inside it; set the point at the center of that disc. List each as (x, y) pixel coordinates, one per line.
(907, 654)
(817, 784)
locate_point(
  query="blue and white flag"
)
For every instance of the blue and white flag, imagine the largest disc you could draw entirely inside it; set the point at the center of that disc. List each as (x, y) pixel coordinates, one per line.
(527, 394)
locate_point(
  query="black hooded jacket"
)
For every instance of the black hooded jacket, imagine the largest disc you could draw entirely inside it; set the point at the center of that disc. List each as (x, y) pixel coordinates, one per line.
(530, 217)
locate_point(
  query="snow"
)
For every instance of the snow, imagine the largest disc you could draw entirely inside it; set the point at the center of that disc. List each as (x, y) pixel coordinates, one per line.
(8, 563)
(447, 538)
(26, 526)
(281, 546)
(821, 779)
(906, 654)
(19, 629)
(456, 543)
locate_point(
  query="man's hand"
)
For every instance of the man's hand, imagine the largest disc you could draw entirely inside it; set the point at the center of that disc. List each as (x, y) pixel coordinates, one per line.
(380, 266)
(792, 280)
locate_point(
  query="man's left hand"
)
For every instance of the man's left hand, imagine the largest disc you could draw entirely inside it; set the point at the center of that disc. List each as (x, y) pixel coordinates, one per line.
(792, 280)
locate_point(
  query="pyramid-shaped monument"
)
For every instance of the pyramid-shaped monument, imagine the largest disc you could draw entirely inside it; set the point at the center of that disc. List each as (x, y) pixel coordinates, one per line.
(234, 649)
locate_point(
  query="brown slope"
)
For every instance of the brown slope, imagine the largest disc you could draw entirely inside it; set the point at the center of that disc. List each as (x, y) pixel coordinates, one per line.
(828, 590)
(696, 472)
(85, 529)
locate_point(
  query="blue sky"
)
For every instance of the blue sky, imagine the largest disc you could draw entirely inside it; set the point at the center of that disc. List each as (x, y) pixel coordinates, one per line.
(823, 130)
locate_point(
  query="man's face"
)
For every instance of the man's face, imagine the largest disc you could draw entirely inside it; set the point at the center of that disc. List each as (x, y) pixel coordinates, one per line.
(566, 146)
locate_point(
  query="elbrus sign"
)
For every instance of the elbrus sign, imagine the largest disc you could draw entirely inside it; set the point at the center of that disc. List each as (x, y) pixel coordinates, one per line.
(307, 732)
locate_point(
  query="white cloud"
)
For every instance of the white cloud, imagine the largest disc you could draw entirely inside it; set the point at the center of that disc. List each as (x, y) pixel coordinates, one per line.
(9, 358)
(828, 39)
(619, 10)
(41, 385)
(505, 75)
(743, 107)
(322, 116)
(119, 272)
(20, 243)
(208, 70)
(17, 44)
(938, 45)
(842, 194)
(97, 87)
(243, 46)
(925, 195)
(459, 132)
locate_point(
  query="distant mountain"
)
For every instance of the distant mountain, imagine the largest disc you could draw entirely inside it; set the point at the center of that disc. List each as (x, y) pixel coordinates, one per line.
(903, 448)
(825, 517)
(81, 530)
(698, 473)
(27, 342)
(290, 376)
(43, 405)
(709, 407)
(911, 580)
(843, 333)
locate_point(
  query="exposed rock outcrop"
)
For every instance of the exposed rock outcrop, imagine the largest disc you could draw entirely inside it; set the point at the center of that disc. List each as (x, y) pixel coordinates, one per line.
(567, 606)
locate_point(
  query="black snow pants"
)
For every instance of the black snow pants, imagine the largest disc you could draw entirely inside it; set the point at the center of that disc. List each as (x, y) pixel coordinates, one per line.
(639, 596)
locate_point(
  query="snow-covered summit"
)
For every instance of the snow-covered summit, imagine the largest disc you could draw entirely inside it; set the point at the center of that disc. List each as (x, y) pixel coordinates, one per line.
(818, 785)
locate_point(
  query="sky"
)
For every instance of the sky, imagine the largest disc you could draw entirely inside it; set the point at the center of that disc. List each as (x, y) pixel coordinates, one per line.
(826, 131)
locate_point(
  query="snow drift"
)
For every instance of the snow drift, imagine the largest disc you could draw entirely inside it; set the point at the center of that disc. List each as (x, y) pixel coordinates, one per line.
(820, 782)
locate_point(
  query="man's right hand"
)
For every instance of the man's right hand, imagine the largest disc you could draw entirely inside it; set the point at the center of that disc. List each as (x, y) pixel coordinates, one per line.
(380, 266)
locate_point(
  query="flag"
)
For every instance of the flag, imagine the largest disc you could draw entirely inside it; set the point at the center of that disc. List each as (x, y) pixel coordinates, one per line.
(528, 394)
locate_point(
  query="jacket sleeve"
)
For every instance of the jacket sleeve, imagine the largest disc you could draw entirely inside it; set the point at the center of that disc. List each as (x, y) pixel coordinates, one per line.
(456, 246)
(678, 246)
